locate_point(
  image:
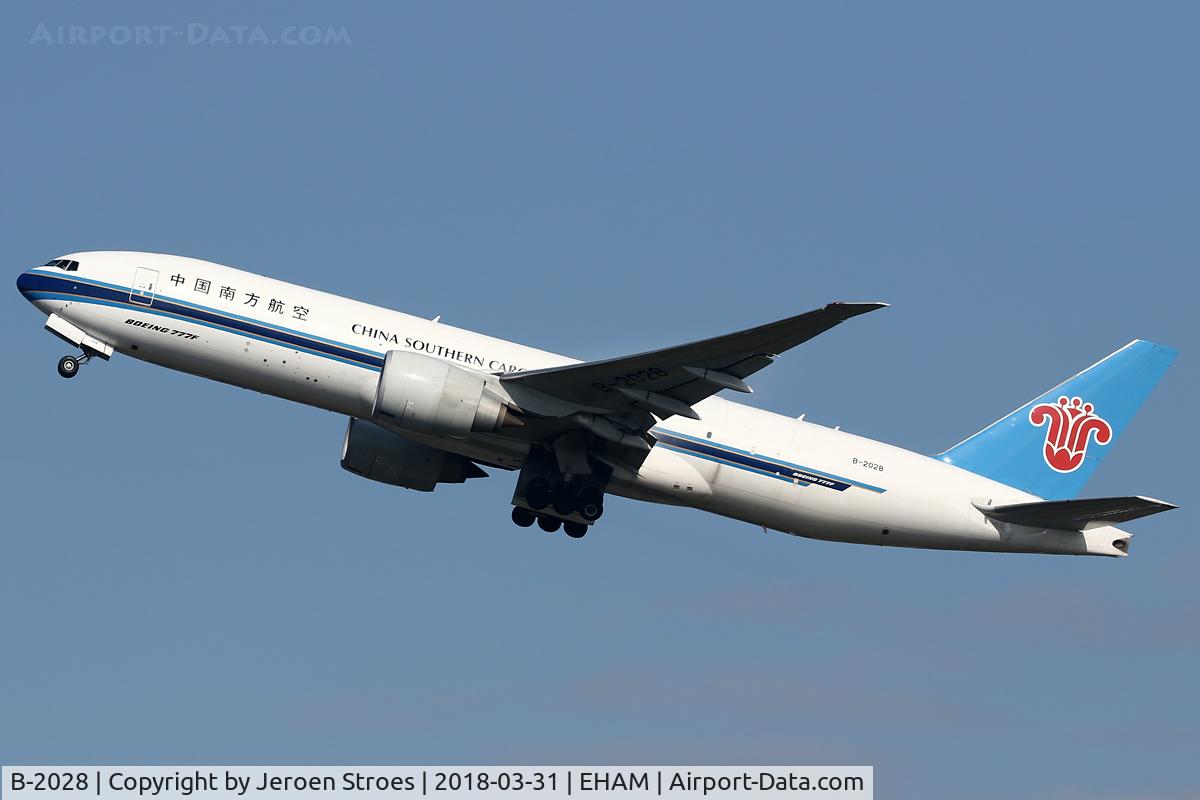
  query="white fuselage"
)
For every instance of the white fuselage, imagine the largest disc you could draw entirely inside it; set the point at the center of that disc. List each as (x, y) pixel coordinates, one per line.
(327, 351)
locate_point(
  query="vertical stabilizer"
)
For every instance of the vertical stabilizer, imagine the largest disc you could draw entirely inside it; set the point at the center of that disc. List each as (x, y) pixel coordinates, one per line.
(1051, 445)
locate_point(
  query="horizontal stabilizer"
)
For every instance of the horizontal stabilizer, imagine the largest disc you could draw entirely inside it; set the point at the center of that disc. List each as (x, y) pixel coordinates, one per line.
(1074, 515)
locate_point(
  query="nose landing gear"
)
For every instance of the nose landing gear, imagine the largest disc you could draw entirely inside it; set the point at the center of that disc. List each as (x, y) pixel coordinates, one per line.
(69, 332)
(68, 366)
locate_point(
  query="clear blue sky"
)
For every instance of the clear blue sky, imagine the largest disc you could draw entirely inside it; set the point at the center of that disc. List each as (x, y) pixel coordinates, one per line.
(188, 576)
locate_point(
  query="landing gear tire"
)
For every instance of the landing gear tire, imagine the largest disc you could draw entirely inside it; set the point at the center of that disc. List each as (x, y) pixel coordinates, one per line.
(538, 494)
(523, 517)
(564, 501)
(549, 524)
(590, 505)
(68, 366)
(576, 530)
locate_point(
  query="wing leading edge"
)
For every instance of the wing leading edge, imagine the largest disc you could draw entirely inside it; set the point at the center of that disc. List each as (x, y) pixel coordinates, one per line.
(669, 381)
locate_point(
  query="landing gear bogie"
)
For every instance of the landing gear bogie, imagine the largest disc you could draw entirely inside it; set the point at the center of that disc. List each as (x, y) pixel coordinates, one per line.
(560, 491)
(563, 499)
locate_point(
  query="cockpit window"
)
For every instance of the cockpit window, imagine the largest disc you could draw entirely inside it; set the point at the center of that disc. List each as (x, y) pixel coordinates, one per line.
(53, 263)
(63, 263)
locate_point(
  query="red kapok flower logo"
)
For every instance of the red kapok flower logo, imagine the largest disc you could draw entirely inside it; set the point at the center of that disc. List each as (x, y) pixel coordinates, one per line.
(1071, 423)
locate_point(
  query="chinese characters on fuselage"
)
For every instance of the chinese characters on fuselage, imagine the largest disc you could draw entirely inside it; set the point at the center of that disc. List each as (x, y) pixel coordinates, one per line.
(274, 305)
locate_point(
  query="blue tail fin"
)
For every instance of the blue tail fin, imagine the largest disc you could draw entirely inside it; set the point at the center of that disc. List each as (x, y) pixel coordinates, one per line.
(1051, 445)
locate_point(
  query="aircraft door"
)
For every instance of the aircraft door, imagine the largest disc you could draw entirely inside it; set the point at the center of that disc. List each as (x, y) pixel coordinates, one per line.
(145, 283)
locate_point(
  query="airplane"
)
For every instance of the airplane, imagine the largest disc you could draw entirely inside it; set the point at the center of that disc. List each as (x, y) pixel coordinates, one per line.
(430, 404)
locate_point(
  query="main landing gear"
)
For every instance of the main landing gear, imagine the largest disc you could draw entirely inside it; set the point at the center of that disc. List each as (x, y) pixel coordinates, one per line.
(68, 366)
(560, 488)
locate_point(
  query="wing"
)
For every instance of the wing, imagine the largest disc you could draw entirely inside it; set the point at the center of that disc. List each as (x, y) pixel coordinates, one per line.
(670, 381)
(1075, 515)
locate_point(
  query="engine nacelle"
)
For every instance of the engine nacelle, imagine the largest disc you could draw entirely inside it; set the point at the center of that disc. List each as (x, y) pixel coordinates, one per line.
(424, 394)
(381, 455)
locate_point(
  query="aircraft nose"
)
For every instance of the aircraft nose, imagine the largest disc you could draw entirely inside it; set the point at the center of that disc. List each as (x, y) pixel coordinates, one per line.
(25, 284)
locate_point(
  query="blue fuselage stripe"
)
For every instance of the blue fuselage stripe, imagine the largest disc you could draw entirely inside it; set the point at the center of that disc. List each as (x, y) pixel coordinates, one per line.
(78, 290)
(783, 470)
